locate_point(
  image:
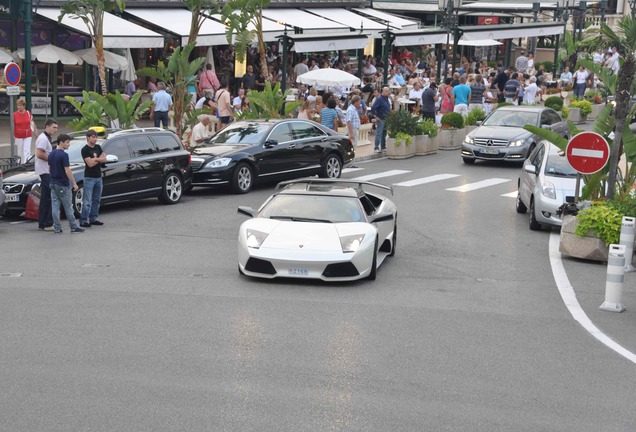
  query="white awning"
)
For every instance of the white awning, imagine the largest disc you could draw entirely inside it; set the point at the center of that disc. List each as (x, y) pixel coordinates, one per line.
(118, 33)
(394, 21)
(270, 29)
(177, 21)
(348, 18)
(420, 37)
(406, 6)
(511, 31)
(303, 20)
(481, 42)
(329, 42)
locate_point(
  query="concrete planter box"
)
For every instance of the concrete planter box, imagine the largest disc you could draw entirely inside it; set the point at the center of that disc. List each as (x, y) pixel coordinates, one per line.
(596, 110)
(588, 247)
(402, 151)
(576, 117)
(451, 139)
(363, 137)
(425, 145)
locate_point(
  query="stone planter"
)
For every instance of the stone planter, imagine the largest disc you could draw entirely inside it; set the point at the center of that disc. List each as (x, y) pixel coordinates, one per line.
(596, 110)
(576, 117)
(363, 139)
(425, 145)
(587, 247)
(451, 139)
(402, 151)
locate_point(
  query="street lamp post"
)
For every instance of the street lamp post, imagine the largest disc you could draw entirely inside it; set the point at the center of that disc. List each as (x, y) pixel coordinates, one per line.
(560, 13)
(582, 7)
(387, 35)
(603, 10)
(285, 40)
(451, 20)
(535, 15)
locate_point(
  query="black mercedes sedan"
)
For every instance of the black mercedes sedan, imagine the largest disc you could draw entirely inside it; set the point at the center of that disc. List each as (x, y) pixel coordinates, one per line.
(261, 150)
(142, 163)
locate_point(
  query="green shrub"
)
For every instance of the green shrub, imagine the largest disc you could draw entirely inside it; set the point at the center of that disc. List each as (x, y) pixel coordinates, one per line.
(583, 105)
(427, 127)
(400, 121)
(548, 66)
(452, 120)
(565, 112)
(624, 204)
(600, 219)
(475, 115)
(554, 102)
(402, 138)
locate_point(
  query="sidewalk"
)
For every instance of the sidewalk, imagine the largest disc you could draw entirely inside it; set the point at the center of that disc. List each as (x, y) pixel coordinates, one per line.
(362, 153)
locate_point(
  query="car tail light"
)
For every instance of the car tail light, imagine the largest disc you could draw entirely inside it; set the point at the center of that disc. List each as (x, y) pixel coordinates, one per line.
(190, 158)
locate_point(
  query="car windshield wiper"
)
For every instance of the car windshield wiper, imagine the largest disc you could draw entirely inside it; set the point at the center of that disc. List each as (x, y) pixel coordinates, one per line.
(300, 219)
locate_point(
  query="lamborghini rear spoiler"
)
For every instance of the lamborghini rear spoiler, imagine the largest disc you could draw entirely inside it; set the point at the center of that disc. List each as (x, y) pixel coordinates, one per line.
(315, 180)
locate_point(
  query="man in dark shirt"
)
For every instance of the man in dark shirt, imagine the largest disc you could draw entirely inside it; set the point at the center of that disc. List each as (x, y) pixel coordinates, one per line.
(500, 80)
(259, 82)
(380, 109)
(61, 181)
(429, 97)
(93, 157)
(249, 79)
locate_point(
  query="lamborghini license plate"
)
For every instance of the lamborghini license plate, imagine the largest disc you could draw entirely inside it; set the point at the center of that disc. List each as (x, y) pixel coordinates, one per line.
(298, 272)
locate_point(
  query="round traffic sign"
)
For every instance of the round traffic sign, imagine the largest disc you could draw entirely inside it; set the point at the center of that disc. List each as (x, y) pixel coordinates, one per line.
(12, 74)
(587, 152)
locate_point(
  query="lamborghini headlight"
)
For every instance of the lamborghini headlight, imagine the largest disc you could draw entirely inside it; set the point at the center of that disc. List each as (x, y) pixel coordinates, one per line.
(351, 243)
(218, 163)
(255, 238)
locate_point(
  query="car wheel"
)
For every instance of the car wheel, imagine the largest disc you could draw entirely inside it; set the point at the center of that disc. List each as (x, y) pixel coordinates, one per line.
(172, 189)
(331, 167)
(78, 197)
(534, 225)
(11, 214)
(394, 240)
(468, 161)
(374, 263)
(242, 179)
(521, 207)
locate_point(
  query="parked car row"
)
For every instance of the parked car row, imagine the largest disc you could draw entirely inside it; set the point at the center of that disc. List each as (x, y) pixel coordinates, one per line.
(151, 162)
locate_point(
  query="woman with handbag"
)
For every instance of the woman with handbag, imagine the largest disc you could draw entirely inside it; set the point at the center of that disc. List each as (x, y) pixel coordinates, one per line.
(23, 130)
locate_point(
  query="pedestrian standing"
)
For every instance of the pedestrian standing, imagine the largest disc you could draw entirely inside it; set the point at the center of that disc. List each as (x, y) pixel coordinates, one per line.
(162, 103)
(580, 81)
(23, 131)
(429, 98)
(477, 90)
(353, 120)
(380, 109)
(522, 62)
(461, 95)
(208, 80)
(43, 148)
(61, 181)
(94, 157)
(224, 104)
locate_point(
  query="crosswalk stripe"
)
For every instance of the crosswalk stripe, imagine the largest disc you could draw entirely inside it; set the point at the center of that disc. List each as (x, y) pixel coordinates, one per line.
(510, 195)
(425, 180)
(349, 170)
(478, 185)
(381, 175)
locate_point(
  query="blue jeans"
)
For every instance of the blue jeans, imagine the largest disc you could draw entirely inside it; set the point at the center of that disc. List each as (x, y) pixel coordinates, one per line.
(579, 90)
(62, 195)
(161, 117)
(90, 199)
(380, 136)
(45, 217)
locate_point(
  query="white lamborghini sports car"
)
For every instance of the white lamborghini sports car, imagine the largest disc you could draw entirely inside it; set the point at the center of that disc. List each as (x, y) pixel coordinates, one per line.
(329, 229)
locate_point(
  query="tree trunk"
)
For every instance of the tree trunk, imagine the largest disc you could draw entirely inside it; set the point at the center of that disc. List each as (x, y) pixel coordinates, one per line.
(623, 88)
(261, 44)
(195, 26)
(101, 64)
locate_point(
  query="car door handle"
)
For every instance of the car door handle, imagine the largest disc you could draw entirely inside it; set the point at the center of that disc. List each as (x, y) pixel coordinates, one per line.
(292, 146)
(159, 162)
(130, 166)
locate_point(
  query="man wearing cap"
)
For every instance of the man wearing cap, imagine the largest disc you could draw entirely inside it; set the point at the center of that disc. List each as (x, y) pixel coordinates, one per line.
(429, 97)
(94, 157)
(61, 181)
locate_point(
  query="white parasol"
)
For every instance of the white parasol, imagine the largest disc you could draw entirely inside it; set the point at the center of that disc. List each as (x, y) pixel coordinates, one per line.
(130, 74)
(113, 61)
(6, 57)
(329, 77)
(50, 54)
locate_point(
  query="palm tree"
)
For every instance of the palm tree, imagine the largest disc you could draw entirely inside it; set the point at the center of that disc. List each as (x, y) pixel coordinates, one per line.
(624, 39)
(200, 9)
(237, 16)
(92, 13)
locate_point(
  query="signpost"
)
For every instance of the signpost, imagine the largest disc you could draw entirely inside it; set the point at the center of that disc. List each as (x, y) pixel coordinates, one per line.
(587, 153)
(12, 75)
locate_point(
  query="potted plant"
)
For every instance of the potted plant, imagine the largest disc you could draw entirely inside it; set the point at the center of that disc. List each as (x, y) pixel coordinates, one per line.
(365, 128)
(401, 123)
(579, 110)
(474, 115)
(595, 98)
(452, 133)
(425, 140)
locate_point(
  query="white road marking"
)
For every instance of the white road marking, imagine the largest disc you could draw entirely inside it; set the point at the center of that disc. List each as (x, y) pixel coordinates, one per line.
(425, 180)
(588, 153)
(478, 185)
(20, 222)
(569, 298)
(349, 170)
(381, 175)
(510, 195)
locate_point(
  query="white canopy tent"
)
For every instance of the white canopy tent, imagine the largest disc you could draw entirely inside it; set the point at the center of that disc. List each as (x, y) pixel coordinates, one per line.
(348, 18)
(303, 20)
(420, 37)
(329, 42)
(394, 21)
(113, 61)
(329, 77)
(118, 33)
(480, 42)
(271, 29)
(511, 31)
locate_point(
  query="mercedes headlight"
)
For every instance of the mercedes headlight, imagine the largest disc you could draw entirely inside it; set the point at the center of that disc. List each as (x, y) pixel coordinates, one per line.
(351, 243)
(218, 163)
(469, 140)
(255, 238)
(517, 143)
(548, 190)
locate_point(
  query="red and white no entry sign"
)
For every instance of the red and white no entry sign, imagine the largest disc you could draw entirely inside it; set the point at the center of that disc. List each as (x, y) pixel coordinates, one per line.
(587, 152)
(12, 74)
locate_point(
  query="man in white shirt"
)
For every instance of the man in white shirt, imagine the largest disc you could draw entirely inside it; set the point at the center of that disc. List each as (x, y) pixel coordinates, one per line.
(416, 92)
(201, 131)
(580, 80)
(598, 57)
(301, 68)
(369, 69)
(530, 94)
(238, 100)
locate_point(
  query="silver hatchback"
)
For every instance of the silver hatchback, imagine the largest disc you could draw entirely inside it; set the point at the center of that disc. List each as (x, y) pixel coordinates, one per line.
(502, 137)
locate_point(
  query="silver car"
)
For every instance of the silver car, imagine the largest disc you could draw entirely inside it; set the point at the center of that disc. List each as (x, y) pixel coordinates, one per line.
(501, 135)
(547, 181)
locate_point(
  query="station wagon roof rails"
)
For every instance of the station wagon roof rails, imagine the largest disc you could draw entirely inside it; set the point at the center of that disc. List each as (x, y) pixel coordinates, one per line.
(310, 181)
(140, 130)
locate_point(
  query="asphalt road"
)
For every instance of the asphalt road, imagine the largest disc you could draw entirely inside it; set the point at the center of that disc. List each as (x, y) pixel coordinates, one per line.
(145, 325)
